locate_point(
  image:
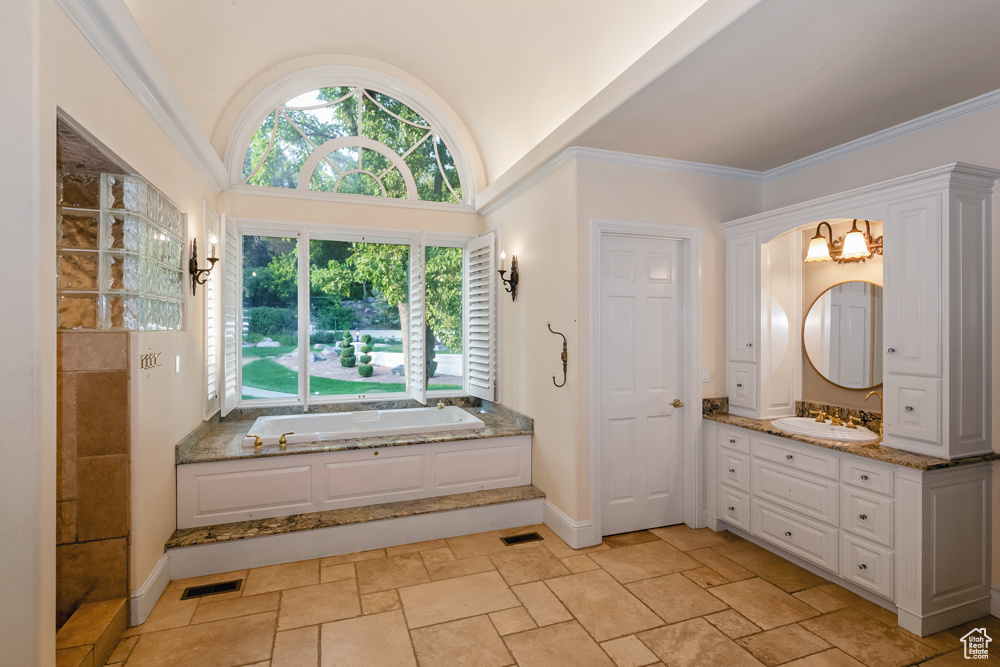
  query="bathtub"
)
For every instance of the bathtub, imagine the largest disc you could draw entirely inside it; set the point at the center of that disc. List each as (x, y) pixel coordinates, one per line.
(362, 424)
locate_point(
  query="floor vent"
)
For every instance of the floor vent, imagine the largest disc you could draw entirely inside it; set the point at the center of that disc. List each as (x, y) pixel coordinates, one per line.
(521, 539)
(211, 589)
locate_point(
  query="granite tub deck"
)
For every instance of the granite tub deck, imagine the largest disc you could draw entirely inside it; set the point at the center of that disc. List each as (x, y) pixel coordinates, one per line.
(872, 451)
(243, 530)
(222, 440)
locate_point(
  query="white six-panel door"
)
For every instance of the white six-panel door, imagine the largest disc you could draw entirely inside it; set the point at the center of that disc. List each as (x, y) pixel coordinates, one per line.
(640, 349)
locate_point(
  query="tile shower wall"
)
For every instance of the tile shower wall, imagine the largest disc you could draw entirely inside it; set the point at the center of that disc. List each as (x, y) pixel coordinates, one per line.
(93, 459)
(120, 245)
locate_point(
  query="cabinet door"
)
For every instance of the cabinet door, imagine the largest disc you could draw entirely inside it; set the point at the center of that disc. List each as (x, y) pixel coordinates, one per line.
(741, 385)
(913, 287)
(742, 293)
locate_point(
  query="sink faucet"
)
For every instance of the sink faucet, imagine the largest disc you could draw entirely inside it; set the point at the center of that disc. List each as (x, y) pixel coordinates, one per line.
(282, 442)
(881, 411)
(820, 416)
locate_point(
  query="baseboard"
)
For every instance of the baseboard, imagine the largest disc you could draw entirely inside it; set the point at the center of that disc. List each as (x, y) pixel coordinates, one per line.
(922, 626)
(144, 598)
(302, 545)
(995, 599)
(577, 534)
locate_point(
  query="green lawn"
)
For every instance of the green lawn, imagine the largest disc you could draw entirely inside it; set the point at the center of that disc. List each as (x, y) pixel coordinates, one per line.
(249, 352)
(270, 375)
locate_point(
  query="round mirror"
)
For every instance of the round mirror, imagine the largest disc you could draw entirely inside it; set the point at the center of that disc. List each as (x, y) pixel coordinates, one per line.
(842, 335)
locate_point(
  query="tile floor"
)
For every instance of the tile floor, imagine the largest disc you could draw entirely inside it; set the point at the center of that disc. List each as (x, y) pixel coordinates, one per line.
(669, 596)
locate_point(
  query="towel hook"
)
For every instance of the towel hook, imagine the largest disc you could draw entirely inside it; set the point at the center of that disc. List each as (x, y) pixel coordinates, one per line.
(565, 356)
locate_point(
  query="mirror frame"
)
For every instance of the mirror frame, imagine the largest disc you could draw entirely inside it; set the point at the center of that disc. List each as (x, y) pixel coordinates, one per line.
(802, 338)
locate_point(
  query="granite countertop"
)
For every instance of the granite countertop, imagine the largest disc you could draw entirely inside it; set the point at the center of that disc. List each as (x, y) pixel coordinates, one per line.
(222, 440)
(876, 452)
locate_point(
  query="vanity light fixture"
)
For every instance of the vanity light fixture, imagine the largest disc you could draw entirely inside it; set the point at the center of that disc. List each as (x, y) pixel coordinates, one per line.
(512, 281)
(855, 246)
(199, 276)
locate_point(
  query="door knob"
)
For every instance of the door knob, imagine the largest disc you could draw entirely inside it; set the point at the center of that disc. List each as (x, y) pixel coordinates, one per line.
(677, 403)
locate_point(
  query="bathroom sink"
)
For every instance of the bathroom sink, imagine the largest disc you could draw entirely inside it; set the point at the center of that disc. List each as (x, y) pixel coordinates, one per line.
(808, 426)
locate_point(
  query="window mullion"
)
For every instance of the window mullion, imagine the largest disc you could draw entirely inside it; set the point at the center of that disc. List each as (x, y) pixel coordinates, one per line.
(303, 316)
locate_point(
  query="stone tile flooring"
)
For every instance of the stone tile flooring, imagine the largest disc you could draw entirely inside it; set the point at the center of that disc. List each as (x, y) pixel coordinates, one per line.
(670, 596)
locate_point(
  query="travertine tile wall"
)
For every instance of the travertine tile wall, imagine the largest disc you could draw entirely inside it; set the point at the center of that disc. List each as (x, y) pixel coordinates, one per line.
(93, 487)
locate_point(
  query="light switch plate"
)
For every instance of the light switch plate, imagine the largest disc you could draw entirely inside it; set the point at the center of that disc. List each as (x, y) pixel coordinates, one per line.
(705, 374)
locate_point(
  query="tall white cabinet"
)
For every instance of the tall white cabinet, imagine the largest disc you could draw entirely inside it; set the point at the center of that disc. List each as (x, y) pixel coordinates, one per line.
(936, 317)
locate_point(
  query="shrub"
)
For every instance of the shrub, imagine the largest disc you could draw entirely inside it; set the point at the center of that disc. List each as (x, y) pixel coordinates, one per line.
(288, 340)
(365, 358)
(366, 339)
(347, 358)
(365, 349)
(269, 321)
(366, 371)
(254, 338)
(348, 362)
(332, 315)
(324, 338)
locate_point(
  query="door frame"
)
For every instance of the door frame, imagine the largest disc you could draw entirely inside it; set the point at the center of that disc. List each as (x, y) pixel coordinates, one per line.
(690, 241)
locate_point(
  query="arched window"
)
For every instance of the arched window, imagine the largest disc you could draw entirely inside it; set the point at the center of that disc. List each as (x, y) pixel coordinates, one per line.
(352, 140)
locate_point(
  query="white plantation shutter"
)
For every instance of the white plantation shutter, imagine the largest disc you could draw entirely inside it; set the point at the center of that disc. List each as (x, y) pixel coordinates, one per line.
(418, 361)
(213, 303)
(232, 331)
(481, 337)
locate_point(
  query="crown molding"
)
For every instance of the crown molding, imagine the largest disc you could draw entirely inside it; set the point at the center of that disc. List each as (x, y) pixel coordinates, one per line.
(113, 32)
(614, 157)
(933, 119)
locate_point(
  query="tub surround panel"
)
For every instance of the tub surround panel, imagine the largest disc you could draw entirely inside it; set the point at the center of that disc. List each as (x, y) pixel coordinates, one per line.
(222, 440)
(875, 452)
(243, 530)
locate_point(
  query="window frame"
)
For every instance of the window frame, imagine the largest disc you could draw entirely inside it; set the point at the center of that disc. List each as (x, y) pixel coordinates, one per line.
(304, 234)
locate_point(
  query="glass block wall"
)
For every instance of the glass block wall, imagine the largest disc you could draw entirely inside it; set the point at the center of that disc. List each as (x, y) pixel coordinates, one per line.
(120, 247)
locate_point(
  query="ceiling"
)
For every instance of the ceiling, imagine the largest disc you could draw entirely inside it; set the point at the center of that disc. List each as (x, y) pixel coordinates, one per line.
(791, 78)
(512, 71)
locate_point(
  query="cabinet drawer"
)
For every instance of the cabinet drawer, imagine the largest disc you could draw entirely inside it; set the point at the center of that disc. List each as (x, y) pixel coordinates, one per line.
(734, 507)
(869, 476)
(735, 439)
(734, 469)
(802, 493)
(741, 385)
(867, 516)
(798, 535)
(913, 408)
(798, 458)
(866, 565)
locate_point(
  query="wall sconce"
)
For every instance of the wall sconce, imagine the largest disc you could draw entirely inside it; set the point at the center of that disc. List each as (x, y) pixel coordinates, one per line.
(855, 246)
(512, 282)
(199, 276)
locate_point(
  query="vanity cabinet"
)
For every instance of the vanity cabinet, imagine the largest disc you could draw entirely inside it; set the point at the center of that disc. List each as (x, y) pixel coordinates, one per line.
(916, 539)
(936, 306)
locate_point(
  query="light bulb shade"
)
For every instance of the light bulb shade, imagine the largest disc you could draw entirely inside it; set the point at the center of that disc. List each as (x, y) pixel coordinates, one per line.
(819, 250)
(855, 246)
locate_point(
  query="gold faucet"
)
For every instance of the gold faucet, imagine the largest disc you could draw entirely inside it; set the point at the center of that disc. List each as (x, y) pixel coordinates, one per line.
(851, 423)
(881, 411)
(440, 405)
(282, 442)
(836, 421)
(820, 416)
(258, 444)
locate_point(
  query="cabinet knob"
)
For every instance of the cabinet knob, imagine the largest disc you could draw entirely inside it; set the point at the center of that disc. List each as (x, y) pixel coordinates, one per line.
(732, 471)
(908, 408)
(890, 350)
(789, 457)
(732, 509)
(749, 345)
(862, 566)
(863, 478)
(863, 517)
(738, 385)
(732, 441)
(788, 533)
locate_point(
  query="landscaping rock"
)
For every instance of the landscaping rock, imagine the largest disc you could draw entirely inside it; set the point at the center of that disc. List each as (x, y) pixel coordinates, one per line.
(399, 370)
(269, 343)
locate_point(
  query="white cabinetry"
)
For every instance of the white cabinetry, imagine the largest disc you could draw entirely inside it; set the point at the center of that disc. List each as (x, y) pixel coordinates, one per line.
(936, 317)
(916, 538)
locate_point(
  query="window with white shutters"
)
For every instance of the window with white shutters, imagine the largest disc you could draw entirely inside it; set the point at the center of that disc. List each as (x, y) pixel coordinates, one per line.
(481, 318)
(213, 304)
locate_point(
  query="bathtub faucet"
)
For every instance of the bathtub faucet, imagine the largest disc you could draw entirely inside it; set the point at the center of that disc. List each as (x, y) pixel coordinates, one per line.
(440, 405)
(282, 442)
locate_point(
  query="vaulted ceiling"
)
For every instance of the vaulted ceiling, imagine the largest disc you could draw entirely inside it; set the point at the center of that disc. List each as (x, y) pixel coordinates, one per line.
(767, 82)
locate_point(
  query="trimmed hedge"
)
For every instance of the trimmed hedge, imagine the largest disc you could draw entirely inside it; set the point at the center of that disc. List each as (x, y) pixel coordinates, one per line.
(365, 370)
(365, 358)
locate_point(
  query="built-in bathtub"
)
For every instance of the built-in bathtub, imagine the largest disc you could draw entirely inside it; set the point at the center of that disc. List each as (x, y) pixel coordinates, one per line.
(361, 424)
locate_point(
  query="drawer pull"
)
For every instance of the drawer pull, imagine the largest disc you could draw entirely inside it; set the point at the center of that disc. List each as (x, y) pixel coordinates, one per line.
(788, 533)
(908, 408)
(738, 385)
(862, 566)
(732, 441)
(890, 350)
(789, 457)
(732, 509)
(863, 478)
(749, 345)
(732, 471)
(863, 517)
